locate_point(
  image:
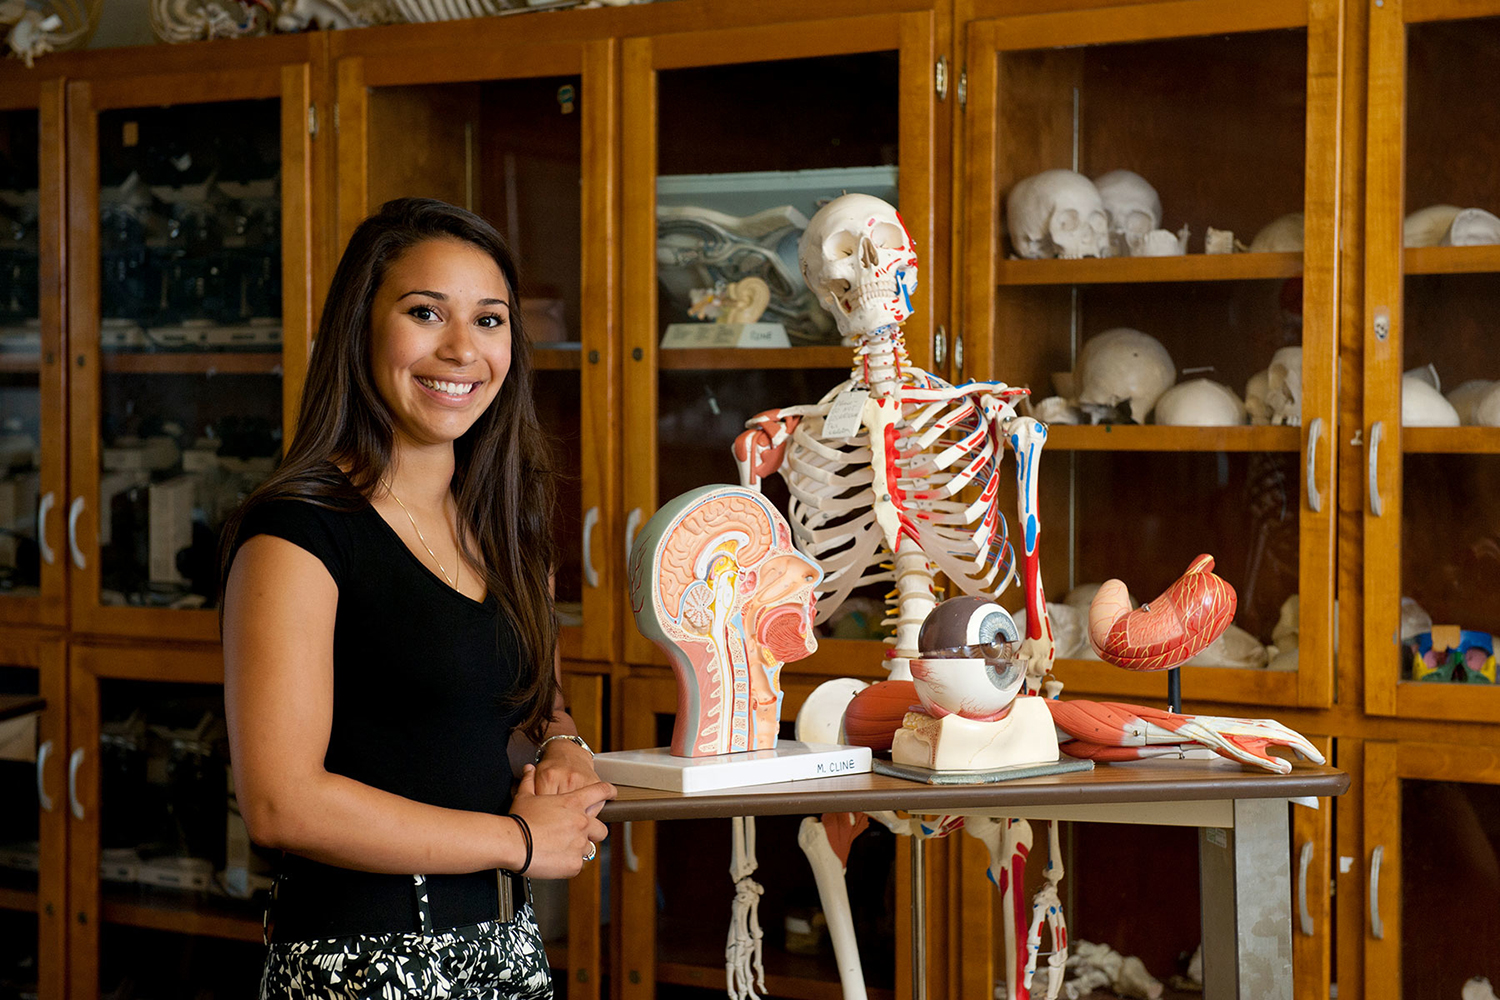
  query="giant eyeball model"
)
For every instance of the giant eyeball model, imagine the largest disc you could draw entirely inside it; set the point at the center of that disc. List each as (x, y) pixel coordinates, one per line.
(968, 665)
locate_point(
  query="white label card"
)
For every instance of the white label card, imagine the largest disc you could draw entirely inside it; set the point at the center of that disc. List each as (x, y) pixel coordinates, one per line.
(843, 420)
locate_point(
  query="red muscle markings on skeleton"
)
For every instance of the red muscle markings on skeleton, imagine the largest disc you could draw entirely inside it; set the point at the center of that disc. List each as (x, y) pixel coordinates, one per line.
(1191, 613)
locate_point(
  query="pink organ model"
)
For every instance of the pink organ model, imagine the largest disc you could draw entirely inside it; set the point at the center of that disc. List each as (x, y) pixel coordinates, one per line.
(716, 584)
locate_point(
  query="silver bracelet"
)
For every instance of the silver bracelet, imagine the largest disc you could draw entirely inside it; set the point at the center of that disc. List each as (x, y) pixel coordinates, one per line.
(542, 748)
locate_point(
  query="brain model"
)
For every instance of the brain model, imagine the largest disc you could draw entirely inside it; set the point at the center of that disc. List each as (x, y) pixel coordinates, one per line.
(716, 584)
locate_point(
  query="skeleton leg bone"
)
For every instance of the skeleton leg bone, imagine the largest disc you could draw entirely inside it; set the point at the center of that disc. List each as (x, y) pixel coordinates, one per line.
(828, 863)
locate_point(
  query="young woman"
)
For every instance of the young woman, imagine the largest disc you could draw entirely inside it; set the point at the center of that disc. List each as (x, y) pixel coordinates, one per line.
(389, 637)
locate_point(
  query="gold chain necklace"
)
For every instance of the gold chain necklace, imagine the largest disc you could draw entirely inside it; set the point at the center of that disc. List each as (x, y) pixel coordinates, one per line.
(451, 581)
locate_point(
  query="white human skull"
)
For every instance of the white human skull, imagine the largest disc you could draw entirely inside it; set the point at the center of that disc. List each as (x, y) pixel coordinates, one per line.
(1487, 409)
(1057, 213)
(1423, 406)
(1200, 402)
(1281, 235)
(1133, 207)
(860, 261)
(1473, 227)
(1123, 366)
(1426, 227)
(1467, 396)
(1414, 619)
(1256, 405)
(1069, 628)
(1284, 387)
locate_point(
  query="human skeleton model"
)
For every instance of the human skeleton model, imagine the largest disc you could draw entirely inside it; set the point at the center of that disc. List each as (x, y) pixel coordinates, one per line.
(879, 471)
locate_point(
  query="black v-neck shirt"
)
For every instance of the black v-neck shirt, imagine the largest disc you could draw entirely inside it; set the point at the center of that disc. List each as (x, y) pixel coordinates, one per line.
(419, 676)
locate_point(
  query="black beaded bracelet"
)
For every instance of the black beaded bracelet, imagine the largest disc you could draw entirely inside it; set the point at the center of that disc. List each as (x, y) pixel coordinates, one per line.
(526, 836)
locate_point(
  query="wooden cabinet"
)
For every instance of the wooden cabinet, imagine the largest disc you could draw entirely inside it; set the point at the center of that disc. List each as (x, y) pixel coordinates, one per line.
(518, 126)
(749, 129)
(33, 825)
(1431, 836)
(1230, 111)
(190, 307)
(167, 230)
(1429, 521)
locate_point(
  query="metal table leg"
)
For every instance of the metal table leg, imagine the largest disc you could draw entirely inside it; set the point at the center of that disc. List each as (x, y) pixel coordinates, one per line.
(1245, 889)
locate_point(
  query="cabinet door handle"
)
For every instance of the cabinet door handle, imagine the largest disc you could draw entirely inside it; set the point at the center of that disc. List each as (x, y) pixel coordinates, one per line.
(1314, 498)
(590, 521)
(75, 510)
(939, 347)
(958, 358)
(632, 525)
(73, 761)
(43, 508)
(42, 753)
(1377, 926)
(632, 861)
(1377, 505)
(1302, 864)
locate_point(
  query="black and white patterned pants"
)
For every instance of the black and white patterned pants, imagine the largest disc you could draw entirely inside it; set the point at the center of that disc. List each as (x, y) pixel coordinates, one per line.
(487, 961)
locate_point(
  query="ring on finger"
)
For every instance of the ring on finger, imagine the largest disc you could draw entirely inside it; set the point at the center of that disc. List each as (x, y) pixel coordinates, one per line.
(591, 852)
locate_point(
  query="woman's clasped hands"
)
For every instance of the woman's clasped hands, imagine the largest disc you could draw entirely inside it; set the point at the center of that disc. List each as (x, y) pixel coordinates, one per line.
(561, 812)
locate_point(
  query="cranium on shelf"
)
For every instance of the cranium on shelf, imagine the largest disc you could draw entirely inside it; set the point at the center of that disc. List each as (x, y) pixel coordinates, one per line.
(860, 261)
(1281, 235)
(1467, 397)
(1122, 368)
(1057, 213)
(1133, 207)
(1200, 402)
(1284, 387)
(1256, 405)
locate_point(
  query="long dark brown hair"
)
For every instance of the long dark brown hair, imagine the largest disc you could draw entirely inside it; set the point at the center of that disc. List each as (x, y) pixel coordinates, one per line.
(503, 478)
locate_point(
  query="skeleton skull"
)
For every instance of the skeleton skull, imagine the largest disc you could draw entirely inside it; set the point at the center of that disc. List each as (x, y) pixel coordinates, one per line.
(860, 261)
(1466, 398)
(1280, 235)
(1200, 403)
(1057, 213)
(1284, 387)
(1123, 366)
(1423, 406)
(1487, 409)
(1426, 227)
(1133, 207)
(1256, 404)
(1473, 227)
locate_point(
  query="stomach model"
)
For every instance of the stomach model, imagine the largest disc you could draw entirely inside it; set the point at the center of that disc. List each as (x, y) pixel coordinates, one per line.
(1191, 613)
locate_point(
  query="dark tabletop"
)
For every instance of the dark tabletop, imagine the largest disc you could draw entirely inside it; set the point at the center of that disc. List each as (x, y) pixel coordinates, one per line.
(1137, 781)
(12, 705)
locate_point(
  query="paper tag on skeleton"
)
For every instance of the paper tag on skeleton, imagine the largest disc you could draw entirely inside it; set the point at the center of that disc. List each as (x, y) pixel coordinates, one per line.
(843, 420)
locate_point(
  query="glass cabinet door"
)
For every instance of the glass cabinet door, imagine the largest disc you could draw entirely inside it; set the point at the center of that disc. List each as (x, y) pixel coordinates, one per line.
(1184, 354)
(1432, 285)
(726, 157)
(523, 142)
(1432, 868)
(32, 566)
(166, 893)
(33, 820)
(190, 296)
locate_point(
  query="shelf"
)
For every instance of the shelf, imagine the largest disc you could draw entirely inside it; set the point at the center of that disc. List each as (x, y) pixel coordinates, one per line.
(191, 363)
(18, 899)
(1454, 440)
(1132, 437)
(1451, 260)
(186, 913)
(698, 359)
(23, 363)
(561, 357)
(1121, 270)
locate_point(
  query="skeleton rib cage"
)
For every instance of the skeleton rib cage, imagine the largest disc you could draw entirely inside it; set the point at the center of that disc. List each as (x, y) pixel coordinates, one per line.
(947, 453)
